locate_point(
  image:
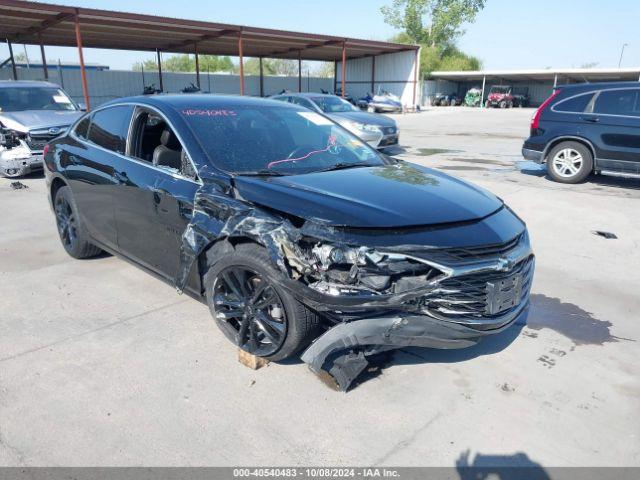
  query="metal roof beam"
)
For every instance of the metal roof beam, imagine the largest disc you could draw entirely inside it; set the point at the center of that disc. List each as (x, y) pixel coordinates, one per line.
(42, 26)
(201, 38)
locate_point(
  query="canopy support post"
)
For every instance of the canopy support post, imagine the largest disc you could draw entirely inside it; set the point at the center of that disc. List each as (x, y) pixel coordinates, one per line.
(344, 67)
(484, 81)
(45, 69)
(299, 71)
(241, 60)
(13, 60)
(373, 75)
(416, 65)
(261, 77)
(195, 48)
(160, 82)
(83, 72)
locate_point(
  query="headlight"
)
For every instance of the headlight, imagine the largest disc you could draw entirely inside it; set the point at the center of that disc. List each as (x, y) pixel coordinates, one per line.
(356, 127)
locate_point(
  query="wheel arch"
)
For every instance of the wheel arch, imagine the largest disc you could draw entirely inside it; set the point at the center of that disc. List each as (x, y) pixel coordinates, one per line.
(219, 246)
(56, 185)
(558, 140)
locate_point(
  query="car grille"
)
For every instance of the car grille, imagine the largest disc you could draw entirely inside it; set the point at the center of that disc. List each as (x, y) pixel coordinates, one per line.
(473, 295)
(466, 255)
(36, 143)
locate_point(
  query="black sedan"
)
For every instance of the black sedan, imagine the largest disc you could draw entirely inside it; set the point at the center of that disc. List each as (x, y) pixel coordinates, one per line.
(290, 228)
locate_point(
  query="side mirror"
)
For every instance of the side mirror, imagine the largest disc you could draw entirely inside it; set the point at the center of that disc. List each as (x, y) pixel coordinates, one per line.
(82, 106)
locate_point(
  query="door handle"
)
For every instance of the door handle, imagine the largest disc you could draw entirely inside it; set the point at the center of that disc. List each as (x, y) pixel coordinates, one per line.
(591, 119)
(121, 177)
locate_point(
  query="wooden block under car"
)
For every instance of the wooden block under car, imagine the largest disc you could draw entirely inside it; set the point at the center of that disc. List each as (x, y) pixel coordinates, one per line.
(251, 361)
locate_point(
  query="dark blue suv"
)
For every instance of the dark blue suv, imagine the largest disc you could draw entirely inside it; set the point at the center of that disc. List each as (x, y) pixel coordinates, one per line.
(585, 128)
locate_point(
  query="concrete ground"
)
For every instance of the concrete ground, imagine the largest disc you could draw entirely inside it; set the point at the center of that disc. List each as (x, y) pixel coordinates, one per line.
(101, 364)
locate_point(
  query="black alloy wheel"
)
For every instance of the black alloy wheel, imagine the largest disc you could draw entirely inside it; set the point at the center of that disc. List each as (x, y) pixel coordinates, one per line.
(250, 310)
(67, 223)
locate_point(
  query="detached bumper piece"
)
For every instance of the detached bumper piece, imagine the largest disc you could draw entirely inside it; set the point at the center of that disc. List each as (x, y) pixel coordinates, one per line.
(342, 351)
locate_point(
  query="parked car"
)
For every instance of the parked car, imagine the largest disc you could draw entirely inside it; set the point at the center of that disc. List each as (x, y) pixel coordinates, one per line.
(445, 100)
(31, 114)
(290, 228)
(585, 128)
(377, 130)
(500, 96)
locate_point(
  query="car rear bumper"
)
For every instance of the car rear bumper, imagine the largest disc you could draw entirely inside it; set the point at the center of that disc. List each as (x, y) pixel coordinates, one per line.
(533, 155)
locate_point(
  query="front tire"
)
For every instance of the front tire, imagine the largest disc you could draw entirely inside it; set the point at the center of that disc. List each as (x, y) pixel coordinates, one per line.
(251, 308)
(73, 235)
(569, 162)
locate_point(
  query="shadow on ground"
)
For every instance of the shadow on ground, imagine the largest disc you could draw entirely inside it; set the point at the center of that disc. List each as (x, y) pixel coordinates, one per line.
(499, 467)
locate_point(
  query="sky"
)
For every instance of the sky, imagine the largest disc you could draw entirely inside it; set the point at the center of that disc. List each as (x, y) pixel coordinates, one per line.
(507, 34)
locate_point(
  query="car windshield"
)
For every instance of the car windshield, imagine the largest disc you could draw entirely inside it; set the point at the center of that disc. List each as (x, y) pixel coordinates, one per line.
(333, 104)
(500, 89)
(274, 140)
(16, 99)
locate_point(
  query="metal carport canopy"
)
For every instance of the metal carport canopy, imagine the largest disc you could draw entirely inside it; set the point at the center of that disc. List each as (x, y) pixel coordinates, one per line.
(35, 23)
(47, 24)
(542, 75)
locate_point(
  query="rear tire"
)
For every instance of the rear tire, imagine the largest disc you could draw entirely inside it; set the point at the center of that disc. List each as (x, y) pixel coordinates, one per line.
(274, 325)
(569, 162)
(71, 230)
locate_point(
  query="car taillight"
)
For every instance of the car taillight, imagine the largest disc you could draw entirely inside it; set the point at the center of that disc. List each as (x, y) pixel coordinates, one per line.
(535, 121)
(45, 150)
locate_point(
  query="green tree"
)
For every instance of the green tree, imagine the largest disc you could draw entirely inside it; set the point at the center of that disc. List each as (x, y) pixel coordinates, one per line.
(432, 22)
(435, 25)
(187, 63)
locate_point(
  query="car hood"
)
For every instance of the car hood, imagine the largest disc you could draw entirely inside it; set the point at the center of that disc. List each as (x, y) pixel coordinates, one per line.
(35, 119)
(363, 117)
(373, 197)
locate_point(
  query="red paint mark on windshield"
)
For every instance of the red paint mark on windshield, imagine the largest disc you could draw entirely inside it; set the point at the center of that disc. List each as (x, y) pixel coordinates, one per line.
(330, 144)
(190, 112)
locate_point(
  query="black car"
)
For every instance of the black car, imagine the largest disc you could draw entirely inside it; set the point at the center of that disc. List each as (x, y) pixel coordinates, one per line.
(290, 228)
(585, 128)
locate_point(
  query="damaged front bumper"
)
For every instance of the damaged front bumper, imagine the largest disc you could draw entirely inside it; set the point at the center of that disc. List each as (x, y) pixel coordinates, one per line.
(352, 341)
(19, 160)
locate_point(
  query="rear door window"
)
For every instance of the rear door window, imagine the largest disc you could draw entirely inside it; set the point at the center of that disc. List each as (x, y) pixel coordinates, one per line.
(109, 128)
(576, 104)
(618, 102)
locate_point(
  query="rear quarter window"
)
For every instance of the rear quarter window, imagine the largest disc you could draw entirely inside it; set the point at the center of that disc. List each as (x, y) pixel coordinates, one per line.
(82, 129)
(618, 102)
(577, 104)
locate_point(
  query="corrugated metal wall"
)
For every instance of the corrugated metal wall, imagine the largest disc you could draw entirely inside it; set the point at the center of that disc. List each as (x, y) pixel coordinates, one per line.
(111, 84)
(394, 73)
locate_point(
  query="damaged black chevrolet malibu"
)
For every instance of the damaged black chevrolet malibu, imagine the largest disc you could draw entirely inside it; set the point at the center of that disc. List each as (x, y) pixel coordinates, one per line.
(294, 232)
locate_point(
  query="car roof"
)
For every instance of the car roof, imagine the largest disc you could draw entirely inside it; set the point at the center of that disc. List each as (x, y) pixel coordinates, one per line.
(181, 101)
(26, 84)
(598, 85)
(309, 94)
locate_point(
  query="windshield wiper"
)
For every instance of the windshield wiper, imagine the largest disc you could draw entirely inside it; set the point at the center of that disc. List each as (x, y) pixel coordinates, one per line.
(263, 173)
(344, 166)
